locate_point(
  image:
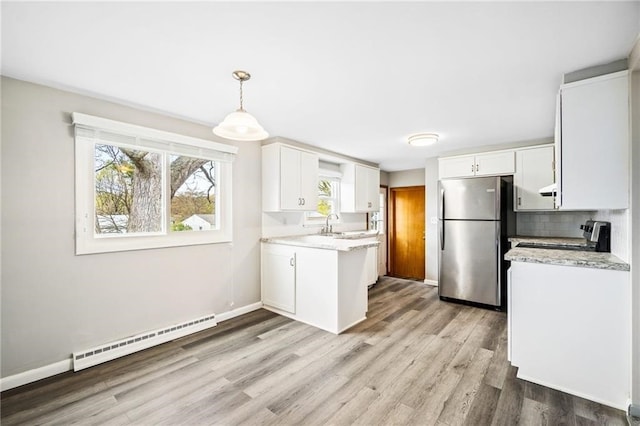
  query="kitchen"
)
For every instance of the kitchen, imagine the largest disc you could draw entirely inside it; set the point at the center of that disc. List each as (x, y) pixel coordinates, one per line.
(69, 310)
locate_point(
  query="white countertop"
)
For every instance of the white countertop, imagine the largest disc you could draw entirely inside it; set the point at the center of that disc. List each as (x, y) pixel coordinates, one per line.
(585, 259)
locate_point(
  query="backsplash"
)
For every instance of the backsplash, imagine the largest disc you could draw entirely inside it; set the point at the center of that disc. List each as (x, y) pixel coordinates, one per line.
(567, 224)
(279, 224)
(619, 231)
(552, 224)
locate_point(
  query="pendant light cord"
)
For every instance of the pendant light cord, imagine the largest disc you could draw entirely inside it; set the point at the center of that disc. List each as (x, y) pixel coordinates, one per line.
(241, 108)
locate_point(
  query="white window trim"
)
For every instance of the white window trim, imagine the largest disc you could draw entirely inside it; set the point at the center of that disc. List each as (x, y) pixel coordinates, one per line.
(166, 142)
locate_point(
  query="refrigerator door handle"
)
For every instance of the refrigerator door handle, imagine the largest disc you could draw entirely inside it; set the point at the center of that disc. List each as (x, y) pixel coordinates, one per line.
(441, 219)
(499, 261)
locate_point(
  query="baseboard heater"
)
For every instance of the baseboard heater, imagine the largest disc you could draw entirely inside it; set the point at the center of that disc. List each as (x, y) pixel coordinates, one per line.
(108, 351)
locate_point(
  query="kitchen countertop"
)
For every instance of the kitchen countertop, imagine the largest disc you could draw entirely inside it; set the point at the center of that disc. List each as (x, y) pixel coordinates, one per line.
(551, 256)
(347, 242)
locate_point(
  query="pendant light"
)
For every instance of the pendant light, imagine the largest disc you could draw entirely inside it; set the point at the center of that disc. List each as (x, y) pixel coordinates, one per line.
(240, 125)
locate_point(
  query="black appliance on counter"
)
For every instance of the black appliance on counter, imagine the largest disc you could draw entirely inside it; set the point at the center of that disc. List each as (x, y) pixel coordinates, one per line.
(598, 235)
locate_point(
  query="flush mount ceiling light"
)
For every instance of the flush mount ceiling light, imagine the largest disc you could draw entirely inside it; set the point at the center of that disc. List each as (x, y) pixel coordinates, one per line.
(240, 125)
(423, 139)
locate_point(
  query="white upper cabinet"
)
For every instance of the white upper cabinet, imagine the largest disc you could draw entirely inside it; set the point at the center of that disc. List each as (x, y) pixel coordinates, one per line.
(486, 164)
(593, 145)
(359, 188)
(534, 170)
(457, 166)
(289, 179)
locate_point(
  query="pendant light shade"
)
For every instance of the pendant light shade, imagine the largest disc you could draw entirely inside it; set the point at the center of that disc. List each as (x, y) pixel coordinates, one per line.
(240, 125)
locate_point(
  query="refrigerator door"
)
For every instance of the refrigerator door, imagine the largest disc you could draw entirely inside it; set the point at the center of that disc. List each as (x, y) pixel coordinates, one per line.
(470, 261)
(470, 199)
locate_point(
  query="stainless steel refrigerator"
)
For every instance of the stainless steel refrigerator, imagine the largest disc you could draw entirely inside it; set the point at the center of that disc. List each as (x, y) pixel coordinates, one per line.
(475, 216)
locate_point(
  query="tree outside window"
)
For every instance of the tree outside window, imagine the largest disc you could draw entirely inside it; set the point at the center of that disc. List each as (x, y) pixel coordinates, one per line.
(141, 188)
(129, 195)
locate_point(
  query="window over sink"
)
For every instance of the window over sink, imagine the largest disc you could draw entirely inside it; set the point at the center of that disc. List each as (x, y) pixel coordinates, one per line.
(328, 202)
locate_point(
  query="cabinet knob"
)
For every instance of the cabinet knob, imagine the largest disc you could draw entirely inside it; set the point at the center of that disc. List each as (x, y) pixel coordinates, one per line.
(292, 261)
(304, 201)
(519, 201)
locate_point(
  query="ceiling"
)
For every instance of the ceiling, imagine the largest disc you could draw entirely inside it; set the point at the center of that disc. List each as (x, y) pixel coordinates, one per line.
(351, 77)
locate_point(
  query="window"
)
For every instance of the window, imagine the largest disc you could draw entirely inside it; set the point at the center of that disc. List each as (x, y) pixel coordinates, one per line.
(328, 201)
(139, 188)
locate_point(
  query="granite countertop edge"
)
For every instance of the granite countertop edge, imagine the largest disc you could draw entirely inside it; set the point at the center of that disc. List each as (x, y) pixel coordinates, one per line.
(585, 259)
(338, 244)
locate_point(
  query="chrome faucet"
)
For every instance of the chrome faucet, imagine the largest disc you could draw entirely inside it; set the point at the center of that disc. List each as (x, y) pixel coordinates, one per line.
(328, 228)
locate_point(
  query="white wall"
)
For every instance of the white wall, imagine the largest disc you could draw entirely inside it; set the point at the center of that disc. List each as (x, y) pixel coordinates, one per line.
(53, 302)
(634, 227)
(384, 178)
(414, 177)
(431, 183)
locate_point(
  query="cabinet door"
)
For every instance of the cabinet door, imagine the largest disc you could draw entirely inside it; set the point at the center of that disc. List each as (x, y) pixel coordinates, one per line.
(290, 164)
(534, 170)
(279, 277)
(367, 184)
(373, 188)
(372, 266)
(456, 167)
(298, 179)
(595, 143)
(496, 163)
(308, 181)
(556, 339)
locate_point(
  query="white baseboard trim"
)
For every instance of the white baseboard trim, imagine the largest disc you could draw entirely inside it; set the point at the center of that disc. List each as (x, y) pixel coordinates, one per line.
(431, 282)
(63, 366)
(36, 374)
(239, 311)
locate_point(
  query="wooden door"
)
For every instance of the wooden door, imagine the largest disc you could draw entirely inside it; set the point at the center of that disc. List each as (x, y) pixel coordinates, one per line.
(407, 232)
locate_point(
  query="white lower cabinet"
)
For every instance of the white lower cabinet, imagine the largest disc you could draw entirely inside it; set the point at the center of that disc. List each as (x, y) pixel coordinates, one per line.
(279, 277)
(570, 329)
(372, 266)
(328, 285)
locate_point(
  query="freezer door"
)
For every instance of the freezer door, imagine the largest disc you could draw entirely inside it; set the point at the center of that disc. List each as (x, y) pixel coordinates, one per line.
(471, 199)
(469, 261)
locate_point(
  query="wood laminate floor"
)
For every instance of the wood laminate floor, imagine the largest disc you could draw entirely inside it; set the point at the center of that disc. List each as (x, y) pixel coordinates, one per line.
(415, 361)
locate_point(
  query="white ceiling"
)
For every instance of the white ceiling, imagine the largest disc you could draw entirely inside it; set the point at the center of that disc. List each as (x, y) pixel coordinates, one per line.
(354, 77)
